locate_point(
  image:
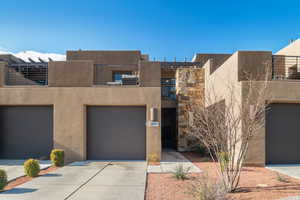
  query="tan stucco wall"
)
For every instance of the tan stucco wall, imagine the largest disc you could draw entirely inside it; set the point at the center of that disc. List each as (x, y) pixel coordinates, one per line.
(2, 73)
(254, 65)
(222, 81)
(71, 73)
(106, 57)
(150, 74)
(106, 62)
(292, 49)
(280, 92)
(223, 86)
(69, 111)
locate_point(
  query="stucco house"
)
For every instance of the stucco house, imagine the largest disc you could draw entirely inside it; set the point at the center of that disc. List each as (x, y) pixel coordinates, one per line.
(277, 142)
(119, 105)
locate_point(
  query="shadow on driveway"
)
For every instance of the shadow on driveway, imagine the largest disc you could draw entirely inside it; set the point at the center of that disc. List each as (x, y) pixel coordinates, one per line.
(19, 191)
(51, 175)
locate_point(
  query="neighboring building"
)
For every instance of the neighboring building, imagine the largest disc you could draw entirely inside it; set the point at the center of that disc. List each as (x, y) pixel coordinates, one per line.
(277, 142)
(81, 106)
(118, 105)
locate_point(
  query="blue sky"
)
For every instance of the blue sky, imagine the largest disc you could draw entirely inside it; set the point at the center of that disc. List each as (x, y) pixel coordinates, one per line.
(161, 28)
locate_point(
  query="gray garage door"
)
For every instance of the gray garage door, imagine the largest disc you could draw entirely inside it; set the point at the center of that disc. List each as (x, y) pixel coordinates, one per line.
(116, 133)
(283, 134)
(25, 131)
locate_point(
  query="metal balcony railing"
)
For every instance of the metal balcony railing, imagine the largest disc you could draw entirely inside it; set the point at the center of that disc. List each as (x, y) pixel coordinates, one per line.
(27, 74)
(115, 75)
(285, 67)
(175, 65)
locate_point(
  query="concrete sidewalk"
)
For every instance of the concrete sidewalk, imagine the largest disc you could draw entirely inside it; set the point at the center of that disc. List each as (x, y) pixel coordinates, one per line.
(15, 168)
(85, 180)
(170, 160)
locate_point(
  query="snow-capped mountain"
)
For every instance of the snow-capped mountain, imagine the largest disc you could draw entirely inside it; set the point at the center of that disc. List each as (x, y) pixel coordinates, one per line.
(34, 55)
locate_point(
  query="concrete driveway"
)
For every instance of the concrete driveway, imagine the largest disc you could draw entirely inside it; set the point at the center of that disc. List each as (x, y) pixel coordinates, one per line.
(89, 180)
(292, 170)
(15, 169)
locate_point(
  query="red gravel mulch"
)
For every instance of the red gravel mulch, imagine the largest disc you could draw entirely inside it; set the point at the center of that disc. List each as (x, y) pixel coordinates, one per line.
(154, 163)
(166, 187)
(23, 179)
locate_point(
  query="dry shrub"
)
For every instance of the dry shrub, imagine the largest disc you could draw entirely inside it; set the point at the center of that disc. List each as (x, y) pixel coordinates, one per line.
(181, 173)
(204, 188)
(153, 158)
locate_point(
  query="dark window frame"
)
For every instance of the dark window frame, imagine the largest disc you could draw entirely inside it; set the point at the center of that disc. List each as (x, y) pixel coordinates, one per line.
(121, 73)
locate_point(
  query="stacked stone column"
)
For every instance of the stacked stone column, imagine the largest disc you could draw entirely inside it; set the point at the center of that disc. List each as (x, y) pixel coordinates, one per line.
(190, 91)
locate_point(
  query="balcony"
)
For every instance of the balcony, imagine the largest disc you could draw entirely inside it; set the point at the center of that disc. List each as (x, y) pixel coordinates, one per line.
(79, 74)
(116, 75)
(27, 74)
(285, 67)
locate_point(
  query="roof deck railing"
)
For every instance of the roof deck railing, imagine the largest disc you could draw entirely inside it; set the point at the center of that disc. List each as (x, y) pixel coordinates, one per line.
(285, 67)
(27, 74)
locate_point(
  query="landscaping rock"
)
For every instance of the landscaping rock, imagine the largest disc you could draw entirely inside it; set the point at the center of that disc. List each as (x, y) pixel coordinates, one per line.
(262, 185)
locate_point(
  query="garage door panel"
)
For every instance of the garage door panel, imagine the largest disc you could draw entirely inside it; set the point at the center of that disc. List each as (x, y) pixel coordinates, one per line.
(116, 133)
(26, 131)
(282, 134)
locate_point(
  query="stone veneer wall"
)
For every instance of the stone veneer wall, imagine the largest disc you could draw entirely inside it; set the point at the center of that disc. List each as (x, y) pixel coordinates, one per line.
(189, 90)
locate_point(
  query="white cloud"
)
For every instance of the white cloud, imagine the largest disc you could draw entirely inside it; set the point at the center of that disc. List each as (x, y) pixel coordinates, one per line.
(34, 55)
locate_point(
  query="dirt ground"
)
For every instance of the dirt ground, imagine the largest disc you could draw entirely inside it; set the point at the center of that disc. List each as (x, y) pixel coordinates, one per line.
(256, 183)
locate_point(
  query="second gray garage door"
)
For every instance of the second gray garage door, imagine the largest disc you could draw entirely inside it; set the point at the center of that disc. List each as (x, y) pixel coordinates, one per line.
(283, 134)
(116, 133)
(26, 132)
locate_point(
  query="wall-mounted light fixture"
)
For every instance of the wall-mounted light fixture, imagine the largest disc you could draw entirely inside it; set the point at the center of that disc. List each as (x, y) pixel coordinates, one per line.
(153, 114)
(153, 121)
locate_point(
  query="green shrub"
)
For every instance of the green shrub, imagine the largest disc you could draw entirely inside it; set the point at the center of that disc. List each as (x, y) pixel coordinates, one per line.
(57, 157)
(181, 173)
(32, 167)
(3, 179)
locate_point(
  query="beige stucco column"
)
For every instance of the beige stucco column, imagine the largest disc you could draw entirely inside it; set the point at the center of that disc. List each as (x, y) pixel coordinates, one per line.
(69, 132)
(2, 73)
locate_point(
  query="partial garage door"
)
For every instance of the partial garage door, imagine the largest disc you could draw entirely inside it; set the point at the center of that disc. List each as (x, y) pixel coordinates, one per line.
(283, 134)
(116, 133)
(25, 132)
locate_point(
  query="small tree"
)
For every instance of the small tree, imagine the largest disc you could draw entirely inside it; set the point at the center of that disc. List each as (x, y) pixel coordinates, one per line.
(225, 123)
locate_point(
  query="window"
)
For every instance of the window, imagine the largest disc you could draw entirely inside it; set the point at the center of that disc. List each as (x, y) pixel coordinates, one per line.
(117, 76)
(168, 81)
(168, 90)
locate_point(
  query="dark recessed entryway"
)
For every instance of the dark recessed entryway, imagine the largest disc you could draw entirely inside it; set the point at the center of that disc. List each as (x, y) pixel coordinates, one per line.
(26, 132)
(168, 128)
(283, 134)
(116, 133)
